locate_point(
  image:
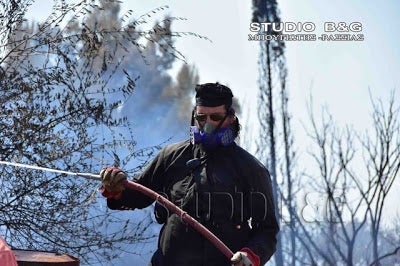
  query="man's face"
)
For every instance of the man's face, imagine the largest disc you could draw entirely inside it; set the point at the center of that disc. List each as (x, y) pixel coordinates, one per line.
(215, 112)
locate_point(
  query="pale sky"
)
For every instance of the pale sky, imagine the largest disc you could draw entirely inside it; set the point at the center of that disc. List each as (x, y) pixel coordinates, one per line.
(338, 74)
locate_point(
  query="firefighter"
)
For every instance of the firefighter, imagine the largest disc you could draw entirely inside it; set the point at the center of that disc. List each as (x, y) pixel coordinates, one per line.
(214, 180)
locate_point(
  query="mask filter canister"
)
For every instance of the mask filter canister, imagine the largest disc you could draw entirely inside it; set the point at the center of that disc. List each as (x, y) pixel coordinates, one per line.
(211, 138)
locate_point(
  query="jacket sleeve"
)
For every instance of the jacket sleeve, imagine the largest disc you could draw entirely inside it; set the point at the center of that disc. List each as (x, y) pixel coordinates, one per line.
(151, 177)
(264, 224)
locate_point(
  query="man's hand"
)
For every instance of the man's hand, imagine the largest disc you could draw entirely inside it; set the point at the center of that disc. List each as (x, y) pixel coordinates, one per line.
(245, 257)
(111, 178)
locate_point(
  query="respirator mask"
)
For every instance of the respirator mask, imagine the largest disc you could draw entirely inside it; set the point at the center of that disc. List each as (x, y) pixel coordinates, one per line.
(210, 136)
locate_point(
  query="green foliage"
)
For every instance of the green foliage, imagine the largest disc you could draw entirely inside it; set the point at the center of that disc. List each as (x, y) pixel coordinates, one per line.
(62, 85)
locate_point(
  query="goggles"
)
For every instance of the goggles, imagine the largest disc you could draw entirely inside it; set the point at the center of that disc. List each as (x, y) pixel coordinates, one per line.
(214, 117)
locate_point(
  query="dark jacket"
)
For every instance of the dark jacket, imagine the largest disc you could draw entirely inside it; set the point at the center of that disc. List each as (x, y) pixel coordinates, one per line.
(223, 192)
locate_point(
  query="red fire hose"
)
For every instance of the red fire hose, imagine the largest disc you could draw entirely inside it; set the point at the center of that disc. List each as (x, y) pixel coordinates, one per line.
(185, 217)
(150, 193)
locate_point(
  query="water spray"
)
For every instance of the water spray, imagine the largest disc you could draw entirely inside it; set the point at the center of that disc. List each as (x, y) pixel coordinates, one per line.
(35, 167)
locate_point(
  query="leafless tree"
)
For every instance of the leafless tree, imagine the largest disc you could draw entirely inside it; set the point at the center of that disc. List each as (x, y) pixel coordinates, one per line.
(382, 161)
(352, 199)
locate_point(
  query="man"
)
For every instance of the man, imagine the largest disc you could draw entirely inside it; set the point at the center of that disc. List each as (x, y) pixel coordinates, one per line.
(215, 181)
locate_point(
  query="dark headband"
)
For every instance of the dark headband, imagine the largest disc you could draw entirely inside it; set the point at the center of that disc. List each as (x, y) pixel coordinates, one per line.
(213, 94)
